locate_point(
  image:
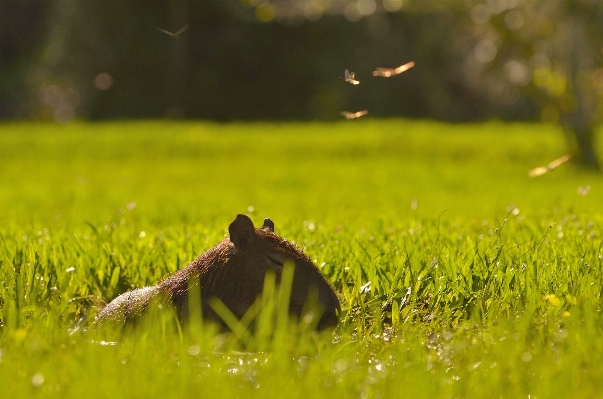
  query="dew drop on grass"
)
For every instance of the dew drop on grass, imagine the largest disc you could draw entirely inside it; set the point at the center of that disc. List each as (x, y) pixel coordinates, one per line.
(341, 365)
(252, 381)
(37, 379)
(366, 288)
(308, 318)
(309, 225)
(194, 350)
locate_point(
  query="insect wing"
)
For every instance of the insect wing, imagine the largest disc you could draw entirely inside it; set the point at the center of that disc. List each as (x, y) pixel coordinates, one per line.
(166, 32)
(558, 161)
(349, 77)
(405, 67)
(539, 171)
(184, 28)
(354, 115)
(389, 72)
(175, 35)
(385, 72)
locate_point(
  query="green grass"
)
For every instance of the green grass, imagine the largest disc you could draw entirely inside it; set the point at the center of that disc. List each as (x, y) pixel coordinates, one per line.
(483, 282)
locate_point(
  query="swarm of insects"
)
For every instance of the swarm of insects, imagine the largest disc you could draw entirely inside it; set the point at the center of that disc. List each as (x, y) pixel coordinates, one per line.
(176, 34)
(384, 72)
(388, 72)
(354, 115)
(541, 170)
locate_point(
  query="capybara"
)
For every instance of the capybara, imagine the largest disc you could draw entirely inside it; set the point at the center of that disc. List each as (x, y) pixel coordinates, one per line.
(232, 271)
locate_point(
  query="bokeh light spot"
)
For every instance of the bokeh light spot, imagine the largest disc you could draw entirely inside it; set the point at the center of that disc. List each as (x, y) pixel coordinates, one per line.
(103, 81)
(514, 20)
(517, 72)
(313, 11)
(351, 12)
(64, 113)
(485, 51)
(480, 14)
(392, 5)
(366, 7)
(265, 12)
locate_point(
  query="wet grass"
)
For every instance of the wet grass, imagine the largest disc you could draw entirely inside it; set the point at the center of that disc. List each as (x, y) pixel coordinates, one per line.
(459, 275)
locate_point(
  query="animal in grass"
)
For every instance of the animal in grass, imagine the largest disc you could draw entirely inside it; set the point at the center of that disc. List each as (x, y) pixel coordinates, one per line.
(232, 271)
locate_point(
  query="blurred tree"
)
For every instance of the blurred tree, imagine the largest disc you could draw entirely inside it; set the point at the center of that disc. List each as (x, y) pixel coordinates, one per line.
(281, 59)
(520, 53)
(20, 43)
(551, 50)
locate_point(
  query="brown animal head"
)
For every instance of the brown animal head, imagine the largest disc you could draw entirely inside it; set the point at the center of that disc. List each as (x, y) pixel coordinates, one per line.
(234, 272)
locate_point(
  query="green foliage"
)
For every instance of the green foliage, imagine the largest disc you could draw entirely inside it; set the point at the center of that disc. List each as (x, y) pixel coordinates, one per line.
(459, 276)
(475, 59)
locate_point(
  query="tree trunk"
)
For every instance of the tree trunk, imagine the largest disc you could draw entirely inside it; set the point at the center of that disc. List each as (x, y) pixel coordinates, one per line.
(579, 123)
(584, 137)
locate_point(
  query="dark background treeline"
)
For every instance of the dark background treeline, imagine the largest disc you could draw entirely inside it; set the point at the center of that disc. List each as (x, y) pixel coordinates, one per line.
(66, 59)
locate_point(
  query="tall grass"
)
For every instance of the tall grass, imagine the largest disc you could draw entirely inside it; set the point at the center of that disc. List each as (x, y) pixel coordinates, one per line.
(458, 275)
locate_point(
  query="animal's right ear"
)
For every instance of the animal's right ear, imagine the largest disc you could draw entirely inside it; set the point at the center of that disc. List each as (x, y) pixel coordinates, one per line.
(241, 231)
(268, 225)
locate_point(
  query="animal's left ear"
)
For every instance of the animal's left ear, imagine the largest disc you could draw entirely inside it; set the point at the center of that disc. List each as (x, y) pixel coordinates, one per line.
(241, 231)
(268, 225)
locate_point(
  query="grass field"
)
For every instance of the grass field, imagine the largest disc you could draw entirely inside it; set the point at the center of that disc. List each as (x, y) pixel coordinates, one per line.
(483, 282)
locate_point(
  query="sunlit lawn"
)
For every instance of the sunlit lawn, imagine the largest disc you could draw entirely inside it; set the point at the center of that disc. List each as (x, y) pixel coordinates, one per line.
(483, 282)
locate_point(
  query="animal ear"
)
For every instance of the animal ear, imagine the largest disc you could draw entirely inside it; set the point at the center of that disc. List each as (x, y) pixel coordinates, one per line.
(268, 225)
(241, 231)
